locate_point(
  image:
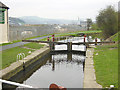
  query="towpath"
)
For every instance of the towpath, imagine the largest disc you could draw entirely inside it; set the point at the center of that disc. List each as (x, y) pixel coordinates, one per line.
(89, 72)
(19, 43)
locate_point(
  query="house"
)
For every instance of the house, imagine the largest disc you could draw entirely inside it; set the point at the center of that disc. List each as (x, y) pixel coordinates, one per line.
(4, 26)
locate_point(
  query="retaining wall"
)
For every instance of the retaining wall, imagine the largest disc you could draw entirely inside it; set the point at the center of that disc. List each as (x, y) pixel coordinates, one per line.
(16, 67)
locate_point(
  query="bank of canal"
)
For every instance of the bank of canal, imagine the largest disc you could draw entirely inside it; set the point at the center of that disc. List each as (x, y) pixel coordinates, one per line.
(89, 72)
(63, 69)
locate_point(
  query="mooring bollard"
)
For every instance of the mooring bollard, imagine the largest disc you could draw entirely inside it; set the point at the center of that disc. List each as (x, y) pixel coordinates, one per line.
(95, 41)
(84, 37)
(48, 39)
(53, 37)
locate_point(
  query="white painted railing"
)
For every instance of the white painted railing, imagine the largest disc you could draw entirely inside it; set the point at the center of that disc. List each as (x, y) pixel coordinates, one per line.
(15, 84)
(22, 55)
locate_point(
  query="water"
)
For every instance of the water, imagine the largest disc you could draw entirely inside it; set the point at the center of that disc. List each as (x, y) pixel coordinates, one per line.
(62, 69)
(65, 70)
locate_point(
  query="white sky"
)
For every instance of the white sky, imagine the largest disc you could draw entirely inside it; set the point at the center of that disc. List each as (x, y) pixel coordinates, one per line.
(58, 9)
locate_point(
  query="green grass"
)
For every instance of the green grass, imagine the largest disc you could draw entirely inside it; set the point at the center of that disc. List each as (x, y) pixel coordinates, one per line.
(34, 45)
(75, 33)
(38, 36)
(114, 37)
(10, 55)
(106, 65)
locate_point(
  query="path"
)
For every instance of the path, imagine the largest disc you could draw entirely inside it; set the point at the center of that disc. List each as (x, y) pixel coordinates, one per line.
(89, 73)
(19, 43)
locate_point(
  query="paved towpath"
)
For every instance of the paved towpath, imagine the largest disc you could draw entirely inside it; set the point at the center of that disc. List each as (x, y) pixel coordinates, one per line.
(89, 72)
(19, 43)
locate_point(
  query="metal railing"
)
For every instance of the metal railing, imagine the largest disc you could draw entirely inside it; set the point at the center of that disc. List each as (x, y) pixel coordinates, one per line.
(20, 55)
(15, 84)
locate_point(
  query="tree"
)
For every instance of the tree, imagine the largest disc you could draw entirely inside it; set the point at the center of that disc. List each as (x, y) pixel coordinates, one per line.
(89, 23)
(94, 27)
(107, 20)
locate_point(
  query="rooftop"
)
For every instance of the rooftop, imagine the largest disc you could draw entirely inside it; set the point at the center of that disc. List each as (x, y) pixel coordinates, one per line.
(3, 6)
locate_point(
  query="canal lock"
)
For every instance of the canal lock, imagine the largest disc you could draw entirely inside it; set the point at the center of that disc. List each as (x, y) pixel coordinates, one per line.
(65, 69)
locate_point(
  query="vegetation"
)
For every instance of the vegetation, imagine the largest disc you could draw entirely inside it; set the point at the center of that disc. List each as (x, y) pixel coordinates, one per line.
(89, 23)
(33, 45)
(94, 26)
(10, 55)
(75, 33)
(114, 37)
(107, 21)
(106, 65)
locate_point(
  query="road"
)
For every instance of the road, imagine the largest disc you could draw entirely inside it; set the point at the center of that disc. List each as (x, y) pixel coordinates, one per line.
(19, 43)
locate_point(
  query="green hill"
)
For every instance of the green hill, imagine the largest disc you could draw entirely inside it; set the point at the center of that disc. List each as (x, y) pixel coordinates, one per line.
(115, 37)
(15, 21)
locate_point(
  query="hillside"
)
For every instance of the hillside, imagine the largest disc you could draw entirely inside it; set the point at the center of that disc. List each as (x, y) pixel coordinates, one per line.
(38, 20)
(114, 37)
(15, 21)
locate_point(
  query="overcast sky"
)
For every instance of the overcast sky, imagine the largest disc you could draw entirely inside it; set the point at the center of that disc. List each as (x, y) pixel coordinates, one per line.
(58, 9)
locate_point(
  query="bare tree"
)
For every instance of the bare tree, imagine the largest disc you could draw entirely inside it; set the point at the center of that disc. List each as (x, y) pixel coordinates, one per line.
(89, 23)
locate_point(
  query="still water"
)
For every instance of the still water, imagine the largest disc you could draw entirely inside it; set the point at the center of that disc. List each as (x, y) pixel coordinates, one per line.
(66, 69)
(62, 69)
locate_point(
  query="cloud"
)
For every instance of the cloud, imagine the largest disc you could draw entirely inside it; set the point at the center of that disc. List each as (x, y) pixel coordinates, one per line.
(66, 9)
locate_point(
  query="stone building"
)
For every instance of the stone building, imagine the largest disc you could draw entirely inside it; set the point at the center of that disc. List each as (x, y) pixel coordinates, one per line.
(4, 25)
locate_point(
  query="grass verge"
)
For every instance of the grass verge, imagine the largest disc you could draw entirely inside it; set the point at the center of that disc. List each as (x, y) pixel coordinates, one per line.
(106, 65)
(75, 33)
(10, 55)
(33, 45)
(115, 37)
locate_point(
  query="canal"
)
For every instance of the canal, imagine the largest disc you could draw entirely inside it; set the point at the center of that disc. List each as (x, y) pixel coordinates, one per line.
(62, 69)
(66, 69)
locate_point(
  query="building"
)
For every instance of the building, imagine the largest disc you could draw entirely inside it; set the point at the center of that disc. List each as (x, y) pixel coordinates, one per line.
(4, 26)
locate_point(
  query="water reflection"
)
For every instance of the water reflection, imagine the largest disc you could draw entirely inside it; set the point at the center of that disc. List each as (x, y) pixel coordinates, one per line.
(62, 69)
(65, 70)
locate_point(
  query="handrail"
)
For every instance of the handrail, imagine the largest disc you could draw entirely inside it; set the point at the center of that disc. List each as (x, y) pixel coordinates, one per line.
(15, 84)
